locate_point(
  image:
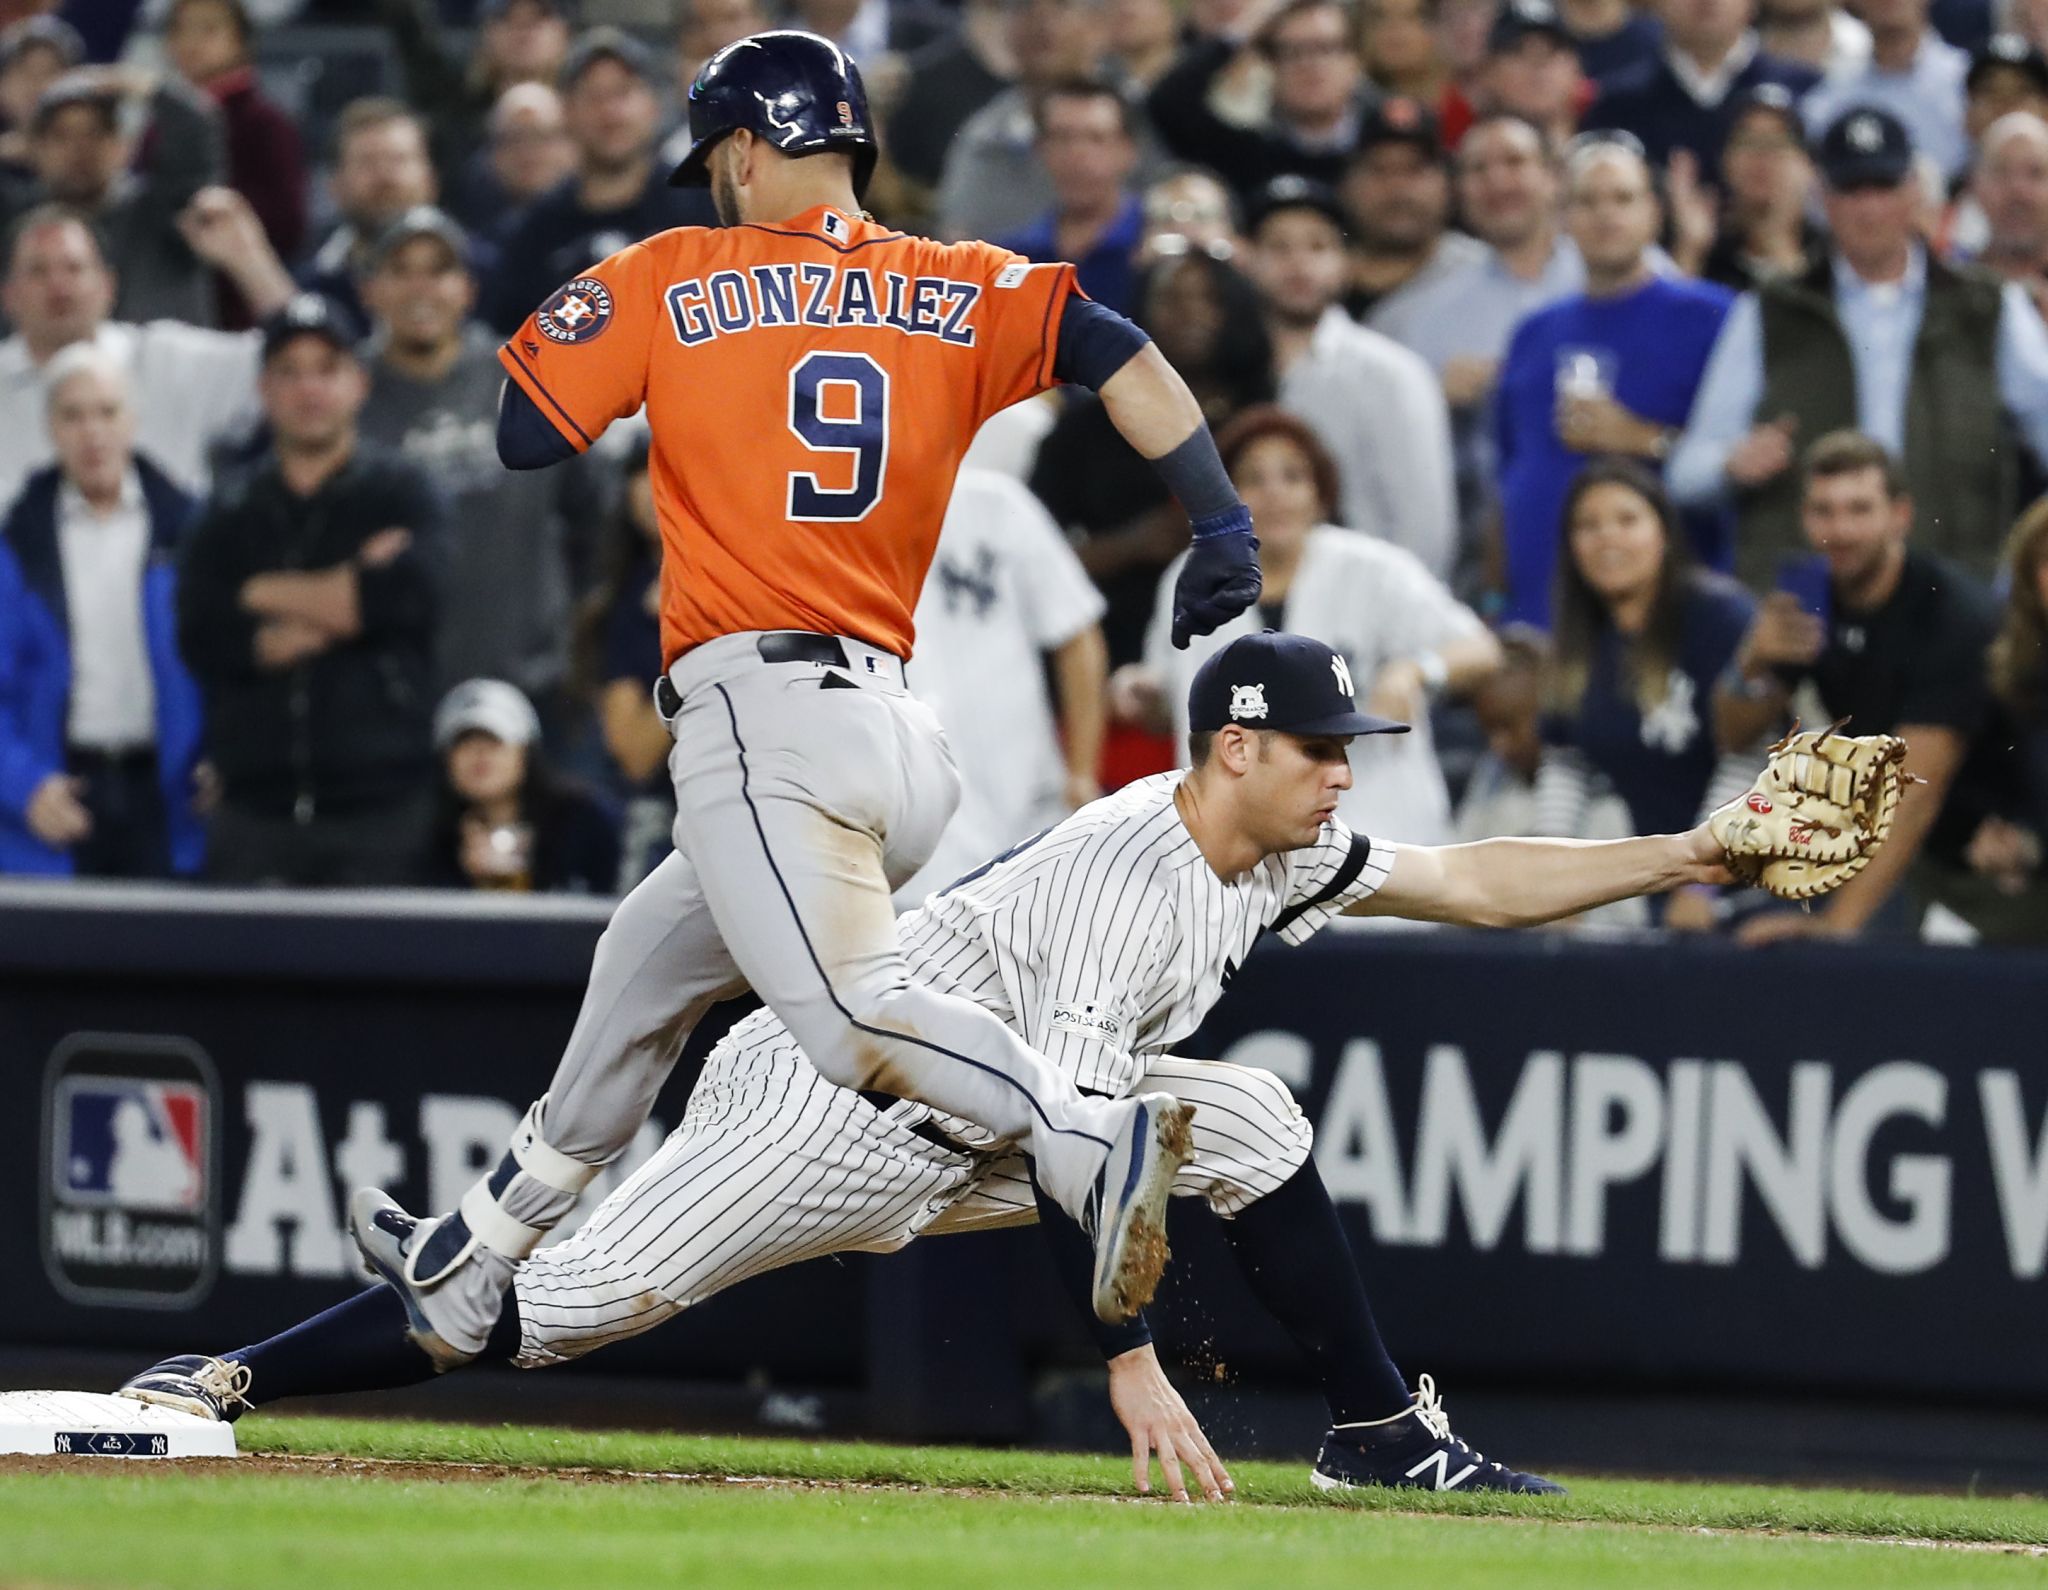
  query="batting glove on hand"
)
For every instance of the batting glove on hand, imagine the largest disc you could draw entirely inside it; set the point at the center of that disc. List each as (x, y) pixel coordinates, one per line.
(1220, 578)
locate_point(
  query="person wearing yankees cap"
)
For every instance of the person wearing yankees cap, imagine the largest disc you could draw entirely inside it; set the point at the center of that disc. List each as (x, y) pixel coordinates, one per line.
(1938, 363)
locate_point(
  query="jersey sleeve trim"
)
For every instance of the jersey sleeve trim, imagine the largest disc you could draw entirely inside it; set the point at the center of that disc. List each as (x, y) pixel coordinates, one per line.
(1343, 878)
(1048, 334)
(529, 383)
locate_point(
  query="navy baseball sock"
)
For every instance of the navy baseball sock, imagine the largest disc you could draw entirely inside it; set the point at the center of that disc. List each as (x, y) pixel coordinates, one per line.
(1294, 1254)
(359, 1345)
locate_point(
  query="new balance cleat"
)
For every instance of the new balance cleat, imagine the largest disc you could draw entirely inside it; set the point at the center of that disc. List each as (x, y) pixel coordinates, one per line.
(210, 1388)
(1130, 1203)
(1415, 1450)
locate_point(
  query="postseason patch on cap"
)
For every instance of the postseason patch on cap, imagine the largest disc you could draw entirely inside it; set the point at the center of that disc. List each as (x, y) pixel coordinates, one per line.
(579, 312)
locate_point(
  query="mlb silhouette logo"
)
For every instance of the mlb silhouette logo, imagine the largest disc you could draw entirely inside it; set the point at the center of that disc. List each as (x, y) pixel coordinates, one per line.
(131, 1144)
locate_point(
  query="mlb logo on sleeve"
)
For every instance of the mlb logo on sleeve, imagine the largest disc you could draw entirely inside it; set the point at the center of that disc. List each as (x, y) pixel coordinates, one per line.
(131, 1185)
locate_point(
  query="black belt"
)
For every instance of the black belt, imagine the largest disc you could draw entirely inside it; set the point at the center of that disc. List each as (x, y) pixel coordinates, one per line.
(924, 1129)
(134, 756)
(800, 646)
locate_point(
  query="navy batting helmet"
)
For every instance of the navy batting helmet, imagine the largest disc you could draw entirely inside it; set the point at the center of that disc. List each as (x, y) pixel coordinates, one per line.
(800, 92)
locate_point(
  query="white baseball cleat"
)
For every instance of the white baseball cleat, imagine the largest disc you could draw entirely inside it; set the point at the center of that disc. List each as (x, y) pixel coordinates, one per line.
(1130, 1203)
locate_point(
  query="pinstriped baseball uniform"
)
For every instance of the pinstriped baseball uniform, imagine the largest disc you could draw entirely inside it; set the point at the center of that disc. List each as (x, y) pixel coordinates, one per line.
(1103, 942)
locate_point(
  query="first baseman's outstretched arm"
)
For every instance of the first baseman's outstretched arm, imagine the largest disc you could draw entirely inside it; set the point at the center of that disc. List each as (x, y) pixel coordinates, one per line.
(1522, 882)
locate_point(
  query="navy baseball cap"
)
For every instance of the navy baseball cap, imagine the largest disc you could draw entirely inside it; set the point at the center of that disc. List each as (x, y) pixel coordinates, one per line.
(308, 315)
(1275, 681)
(1865, 147)
(1397, 119)
(1291, 192)
(1526, 19)
(2012, 52)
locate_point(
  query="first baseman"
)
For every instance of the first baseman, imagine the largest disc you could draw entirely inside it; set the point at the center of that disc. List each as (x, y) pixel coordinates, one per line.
(811, 380)
(1105, 941)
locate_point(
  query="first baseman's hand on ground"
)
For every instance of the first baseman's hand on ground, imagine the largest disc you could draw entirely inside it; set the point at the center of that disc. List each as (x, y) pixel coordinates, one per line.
(1157, 1420)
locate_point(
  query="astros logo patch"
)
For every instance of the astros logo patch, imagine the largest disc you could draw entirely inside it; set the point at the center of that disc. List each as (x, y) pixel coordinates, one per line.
(578, 312)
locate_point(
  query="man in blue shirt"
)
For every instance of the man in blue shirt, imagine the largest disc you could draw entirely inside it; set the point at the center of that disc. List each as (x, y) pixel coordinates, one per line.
(1611, 370)
(1686, 97)
(1941, 365)
(1087, 145)
(1913, 74)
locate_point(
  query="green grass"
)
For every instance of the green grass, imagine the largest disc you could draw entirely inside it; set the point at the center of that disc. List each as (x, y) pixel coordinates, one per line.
(1045, 1523)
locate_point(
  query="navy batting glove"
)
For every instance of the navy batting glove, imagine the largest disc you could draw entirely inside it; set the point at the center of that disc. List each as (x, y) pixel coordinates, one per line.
(1220, 578)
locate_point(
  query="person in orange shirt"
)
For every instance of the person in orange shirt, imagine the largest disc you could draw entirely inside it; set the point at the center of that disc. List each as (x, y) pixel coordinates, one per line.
(811, 380)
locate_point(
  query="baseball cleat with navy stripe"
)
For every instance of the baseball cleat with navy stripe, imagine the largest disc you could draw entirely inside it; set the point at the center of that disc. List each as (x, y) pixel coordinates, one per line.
(1130, 1203)
(1415, 1450)
(208, 1388)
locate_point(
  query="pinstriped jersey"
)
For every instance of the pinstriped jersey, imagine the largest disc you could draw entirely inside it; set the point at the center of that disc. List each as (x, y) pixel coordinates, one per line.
(1109, 938)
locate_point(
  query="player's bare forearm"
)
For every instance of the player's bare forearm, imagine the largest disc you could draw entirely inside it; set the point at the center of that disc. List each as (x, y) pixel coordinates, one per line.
(1523, 882)
(1081, 675)
(1150, 404)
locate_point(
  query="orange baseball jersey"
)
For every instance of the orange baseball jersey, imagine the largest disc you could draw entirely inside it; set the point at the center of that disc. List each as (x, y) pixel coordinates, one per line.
(811, 387)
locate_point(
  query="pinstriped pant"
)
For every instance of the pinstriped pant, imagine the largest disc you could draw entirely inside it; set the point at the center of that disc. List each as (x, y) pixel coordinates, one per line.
(773, 1165)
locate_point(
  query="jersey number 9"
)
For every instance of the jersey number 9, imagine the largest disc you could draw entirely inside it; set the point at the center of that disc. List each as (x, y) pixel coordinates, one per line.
(839, 403)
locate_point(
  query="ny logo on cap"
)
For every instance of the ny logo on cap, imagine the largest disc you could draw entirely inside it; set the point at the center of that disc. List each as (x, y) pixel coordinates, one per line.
(1866, 135)
(1343, 672)
(1247, 701)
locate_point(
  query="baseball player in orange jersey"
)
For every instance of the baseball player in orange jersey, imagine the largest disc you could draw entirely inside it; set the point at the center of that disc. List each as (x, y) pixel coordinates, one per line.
(812, 380)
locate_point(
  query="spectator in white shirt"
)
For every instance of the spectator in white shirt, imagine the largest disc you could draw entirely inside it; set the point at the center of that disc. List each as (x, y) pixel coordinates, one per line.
(1004, 592)
(99, 721)
(1403, 636)
(1376, 406)
(193, 389)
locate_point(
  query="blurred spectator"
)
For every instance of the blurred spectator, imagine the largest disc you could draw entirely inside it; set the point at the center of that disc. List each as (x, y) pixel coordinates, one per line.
(2009, 74)
(1610, 371)
(1398, 46)
(1462, 29)
(1913, 74)
(193, 389)
(1097, 221)
(1376, 407)
(1815, 33)
(947, 82)
(1686, 98)
(516, 41)
(1610, 36)
(1397, 195)
(80, 156)
(1900, 650)
(993, 182)
(1936, 363)
(434, 380)
(208, 42)
(1764, 226)
(1460, 320)
(1144, 40)
(99, 721)
(1206, 319)
(1005, 603)
(617, 194)
(306, 613)
(1640, 638)
(1189, 209)
(526, 152)
(1531, 69)
(870, 30)
(617, 656)
(381, 170)
(503, 818)
(1403, 636)
(34, 53)
(2004, 894)
(2010, 186)
(1319, 93)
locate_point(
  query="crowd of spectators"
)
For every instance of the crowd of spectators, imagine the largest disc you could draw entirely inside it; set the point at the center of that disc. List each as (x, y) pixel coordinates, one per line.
(1612, 383)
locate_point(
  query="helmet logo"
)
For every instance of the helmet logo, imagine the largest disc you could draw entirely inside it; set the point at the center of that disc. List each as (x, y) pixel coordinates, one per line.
(845, 114)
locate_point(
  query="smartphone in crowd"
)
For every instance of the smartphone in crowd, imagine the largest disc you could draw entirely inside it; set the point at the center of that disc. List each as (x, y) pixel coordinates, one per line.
(1804, 577)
